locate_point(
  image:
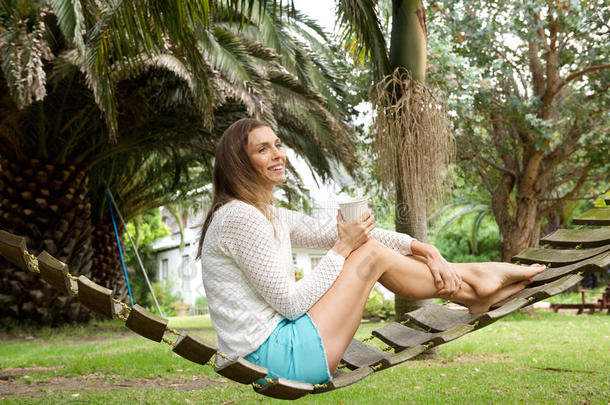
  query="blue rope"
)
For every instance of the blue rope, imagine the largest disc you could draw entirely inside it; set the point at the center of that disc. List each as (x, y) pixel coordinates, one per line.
(118, 241)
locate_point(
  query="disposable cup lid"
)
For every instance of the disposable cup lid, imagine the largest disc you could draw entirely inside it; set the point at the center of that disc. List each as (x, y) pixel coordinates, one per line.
(354, 200)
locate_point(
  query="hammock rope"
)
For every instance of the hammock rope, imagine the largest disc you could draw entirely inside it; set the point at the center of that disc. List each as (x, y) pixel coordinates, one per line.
(118, 242)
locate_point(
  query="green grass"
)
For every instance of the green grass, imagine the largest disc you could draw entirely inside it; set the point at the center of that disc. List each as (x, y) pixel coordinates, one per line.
(545, 358)
(191, 322)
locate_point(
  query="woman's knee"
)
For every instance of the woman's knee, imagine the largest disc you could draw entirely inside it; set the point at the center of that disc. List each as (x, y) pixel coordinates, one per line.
(368, 259)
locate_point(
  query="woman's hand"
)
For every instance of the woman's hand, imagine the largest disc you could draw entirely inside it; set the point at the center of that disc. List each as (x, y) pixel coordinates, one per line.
(353, 234)
(446, 279)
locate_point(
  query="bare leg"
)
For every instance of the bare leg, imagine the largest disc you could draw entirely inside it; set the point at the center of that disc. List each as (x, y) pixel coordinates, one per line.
(338, 312)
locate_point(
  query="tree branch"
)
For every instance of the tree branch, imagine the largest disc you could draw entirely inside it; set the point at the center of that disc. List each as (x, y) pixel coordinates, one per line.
(577, 187)
(536, 69)
(484, 177)
(578, 74)
(540, 31)
(515, 68)
(497, 166)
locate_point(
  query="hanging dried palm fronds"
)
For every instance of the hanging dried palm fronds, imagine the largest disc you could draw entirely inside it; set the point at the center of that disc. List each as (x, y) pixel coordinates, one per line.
(412, 139)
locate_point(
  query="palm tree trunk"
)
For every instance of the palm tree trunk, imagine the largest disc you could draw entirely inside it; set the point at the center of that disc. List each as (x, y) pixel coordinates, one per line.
(107, 269)
(408, 49)
(48, 204)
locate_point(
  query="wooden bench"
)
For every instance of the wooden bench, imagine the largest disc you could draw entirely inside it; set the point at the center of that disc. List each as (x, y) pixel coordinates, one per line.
(599, 305)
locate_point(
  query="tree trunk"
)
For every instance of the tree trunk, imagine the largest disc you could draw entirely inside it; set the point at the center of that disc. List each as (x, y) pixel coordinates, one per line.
(414, 224)
(523, 230)
(408, 48)
(107, 269)
(49, 205)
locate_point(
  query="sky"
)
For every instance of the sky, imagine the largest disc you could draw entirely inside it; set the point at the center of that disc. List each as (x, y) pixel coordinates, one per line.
(321, 10)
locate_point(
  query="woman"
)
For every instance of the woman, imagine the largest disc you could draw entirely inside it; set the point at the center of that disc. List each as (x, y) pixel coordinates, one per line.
(300, 330)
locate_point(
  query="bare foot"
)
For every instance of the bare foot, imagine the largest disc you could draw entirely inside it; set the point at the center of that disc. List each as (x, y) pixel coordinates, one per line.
(483, 305)
(495, 275)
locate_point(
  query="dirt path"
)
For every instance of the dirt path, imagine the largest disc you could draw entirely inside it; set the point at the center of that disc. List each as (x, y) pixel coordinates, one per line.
(87, 383)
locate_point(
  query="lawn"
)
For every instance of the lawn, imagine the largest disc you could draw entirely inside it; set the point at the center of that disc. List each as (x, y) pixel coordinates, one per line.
(542, 358)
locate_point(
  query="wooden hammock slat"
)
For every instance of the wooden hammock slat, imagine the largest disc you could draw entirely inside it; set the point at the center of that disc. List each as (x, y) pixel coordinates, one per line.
(438, 318)
(194, 349)
(342, 379)
(146, 324)
(240, 370)
(597, 263)
(12, 248)
(538, 293)
(402, 337)
(558, 257)
(359, 354)
(281, 388)
(512, 305)
(401, 357)
(586, 238)
(456, 332)
(595, 216)
(54, 272)
(95, 297)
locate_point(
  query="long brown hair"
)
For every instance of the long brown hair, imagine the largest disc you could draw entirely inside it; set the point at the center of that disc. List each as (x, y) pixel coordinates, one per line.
(234, 177)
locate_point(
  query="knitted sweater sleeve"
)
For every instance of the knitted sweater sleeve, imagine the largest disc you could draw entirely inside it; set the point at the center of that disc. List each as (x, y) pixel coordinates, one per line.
(249, 238)
(308, 232)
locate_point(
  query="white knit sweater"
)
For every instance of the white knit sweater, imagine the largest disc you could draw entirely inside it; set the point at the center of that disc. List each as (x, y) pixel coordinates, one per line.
(248, 276)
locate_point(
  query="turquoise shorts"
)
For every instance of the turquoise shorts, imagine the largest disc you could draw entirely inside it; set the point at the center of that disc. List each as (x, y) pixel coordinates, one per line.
(293, 351)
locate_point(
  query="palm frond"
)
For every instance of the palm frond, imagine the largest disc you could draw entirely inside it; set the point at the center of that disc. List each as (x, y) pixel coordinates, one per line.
(71, 21)
(362, 34)
(23, 48)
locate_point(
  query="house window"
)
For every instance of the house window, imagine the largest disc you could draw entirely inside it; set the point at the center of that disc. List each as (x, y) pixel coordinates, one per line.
(294, 259)
(315, 260)
(164, 267)
(184, 267)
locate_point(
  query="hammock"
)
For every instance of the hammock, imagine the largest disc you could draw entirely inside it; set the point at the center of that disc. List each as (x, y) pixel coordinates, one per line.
(433, 325)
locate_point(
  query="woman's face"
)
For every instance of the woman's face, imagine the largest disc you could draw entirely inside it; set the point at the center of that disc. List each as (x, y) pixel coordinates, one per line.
(267, 155)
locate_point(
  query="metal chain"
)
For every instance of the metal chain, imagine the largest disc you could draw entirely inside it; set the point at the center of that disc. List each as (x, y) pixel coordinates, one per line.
(174, 331)
(32, 263)
(166, 340)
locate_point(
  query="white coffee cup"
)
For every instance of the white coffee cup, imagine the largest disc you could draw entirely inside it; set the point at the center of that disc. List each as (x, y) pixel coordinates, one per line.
(353, 208)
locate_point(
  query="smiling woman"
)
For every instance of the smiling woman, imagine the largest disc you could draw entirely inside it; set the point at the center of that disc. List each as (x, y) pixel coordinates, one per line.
(300, 330)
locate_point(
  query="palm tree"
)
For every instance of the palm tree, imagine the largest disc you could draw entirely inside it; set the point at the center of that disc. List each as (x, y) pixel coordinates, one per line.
(466, 205)
(132, 97)
(409, 121)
